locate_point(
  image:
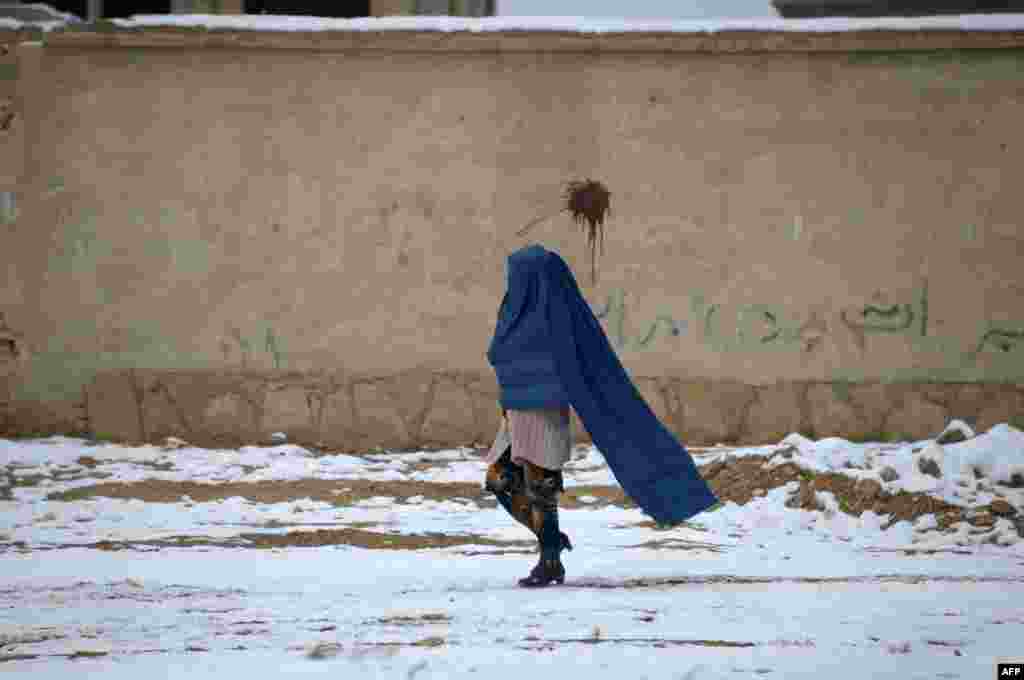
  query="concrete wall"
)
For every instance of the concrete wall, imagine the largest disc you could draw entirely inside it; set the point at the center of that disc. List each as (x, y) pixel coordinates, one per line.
(385, 8)
(207, 7)
(221, 243)
(11, 123)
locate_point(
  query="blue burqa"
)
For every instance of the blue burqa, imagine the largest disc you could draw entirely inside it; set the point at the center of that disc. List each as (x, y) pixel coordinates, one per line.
(547, 335)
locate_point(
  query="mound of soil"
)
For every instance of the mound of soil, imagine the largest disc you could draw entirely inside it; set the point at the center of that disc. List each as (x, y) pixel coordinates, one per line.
(735, 479)
(741, 479)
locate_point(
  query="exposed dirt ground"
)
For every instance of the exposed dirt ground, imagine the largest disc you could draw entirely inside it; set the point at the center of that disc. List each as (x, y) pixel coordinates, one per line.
(337, 492)
(338, 536)
(738, 480)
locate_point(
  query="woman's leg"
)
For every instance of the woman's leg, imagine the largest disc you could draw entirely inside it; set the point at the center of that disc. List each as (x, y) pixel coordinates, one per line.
(543, 488)
(507, 482)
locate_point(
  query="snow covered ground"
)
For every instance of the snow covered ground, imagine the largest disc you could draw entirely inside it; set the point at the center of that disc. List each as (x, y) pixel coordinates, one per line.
(125, 560)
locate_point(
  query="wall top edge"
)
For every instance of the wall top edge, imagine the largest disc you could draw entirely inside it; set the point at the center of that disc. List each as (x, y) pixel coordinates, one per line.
(537, 41)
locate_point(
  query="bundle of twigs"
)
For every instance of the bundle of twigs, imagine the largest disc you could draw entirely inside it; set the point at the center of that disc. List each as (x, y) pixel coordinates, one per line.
(588, 202)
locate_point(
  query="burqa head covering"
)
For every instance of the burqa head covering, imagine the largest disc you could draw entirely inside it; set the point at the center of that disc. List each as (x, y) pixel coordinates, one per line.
(547, 331)
(521, 351)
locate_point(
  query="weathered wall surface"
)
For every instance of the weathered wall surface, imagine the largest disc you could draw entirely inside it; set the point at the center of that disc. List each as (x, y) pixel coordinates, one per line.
(12, 139)
(224, 243)
(386, 8)
(421, 407)
(12, 157)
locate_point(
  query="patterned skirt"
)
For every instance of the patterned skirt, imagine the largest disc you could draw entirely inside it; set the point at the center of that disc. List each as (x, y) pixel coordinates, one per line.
(542, 437)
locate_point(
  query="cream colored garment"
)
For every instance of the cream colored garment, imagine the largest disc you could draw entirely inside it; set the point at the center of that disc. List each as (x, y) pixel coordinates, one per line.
(542, 437)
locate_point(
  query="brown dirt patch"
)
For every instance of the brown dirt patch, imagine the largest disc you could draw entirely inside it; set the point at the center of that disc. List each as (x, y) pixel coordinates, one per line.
(371, 539)
(737, 479)
(660, 643)
(86, 654)
(857, 496)
(605, 495)
(340, 492)
(317, 538)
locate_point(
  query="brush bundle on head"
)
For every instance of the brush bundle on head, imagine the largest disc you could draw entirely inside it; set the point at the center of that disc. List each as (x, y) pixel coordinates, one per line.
(588, 202)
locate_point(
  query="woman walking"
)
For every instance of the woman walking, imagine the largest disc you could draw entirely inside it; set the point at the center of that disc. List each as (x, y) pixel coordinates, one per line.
(549, 352)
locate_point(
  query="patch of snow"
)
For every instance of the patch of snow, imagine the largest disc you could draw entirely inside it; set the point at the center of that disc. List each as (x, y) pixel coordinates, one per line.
(426, 456)
(458, 471)
(997, 454)
(16, 634)
(17, 16)
(801, 443)
(377, 502)
(955, 427)
(277, 450)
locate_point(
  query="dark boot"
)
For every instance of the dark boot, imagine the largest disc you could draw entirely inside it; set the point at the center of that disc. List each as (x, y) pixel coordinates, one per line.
(549, 568)
(545, 573)
(544, 498)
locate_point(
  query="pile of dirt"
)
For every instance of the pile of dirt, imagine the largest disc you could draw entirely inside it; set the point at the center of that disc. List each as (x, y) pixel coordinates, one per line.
(738, 480)
(741, 479)
(856, 497)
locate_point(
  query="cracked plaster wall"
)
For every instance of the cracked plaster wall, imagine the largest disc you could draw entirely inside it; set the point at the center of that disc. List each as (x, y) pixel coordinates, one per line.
(445, 408)
(222, 243)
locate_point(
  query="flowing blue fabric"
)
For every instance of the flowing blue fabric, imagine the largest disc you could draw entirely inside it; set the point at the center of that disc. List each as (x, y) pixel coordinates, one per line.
(545, 314)
(521, 351)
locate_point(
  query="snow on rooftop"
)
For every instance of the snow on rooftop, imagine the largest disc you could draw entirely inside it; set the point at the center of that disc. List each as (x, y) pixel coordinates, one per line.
(570, 24)
(968, 22)
(9, 24)
(16, 16)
